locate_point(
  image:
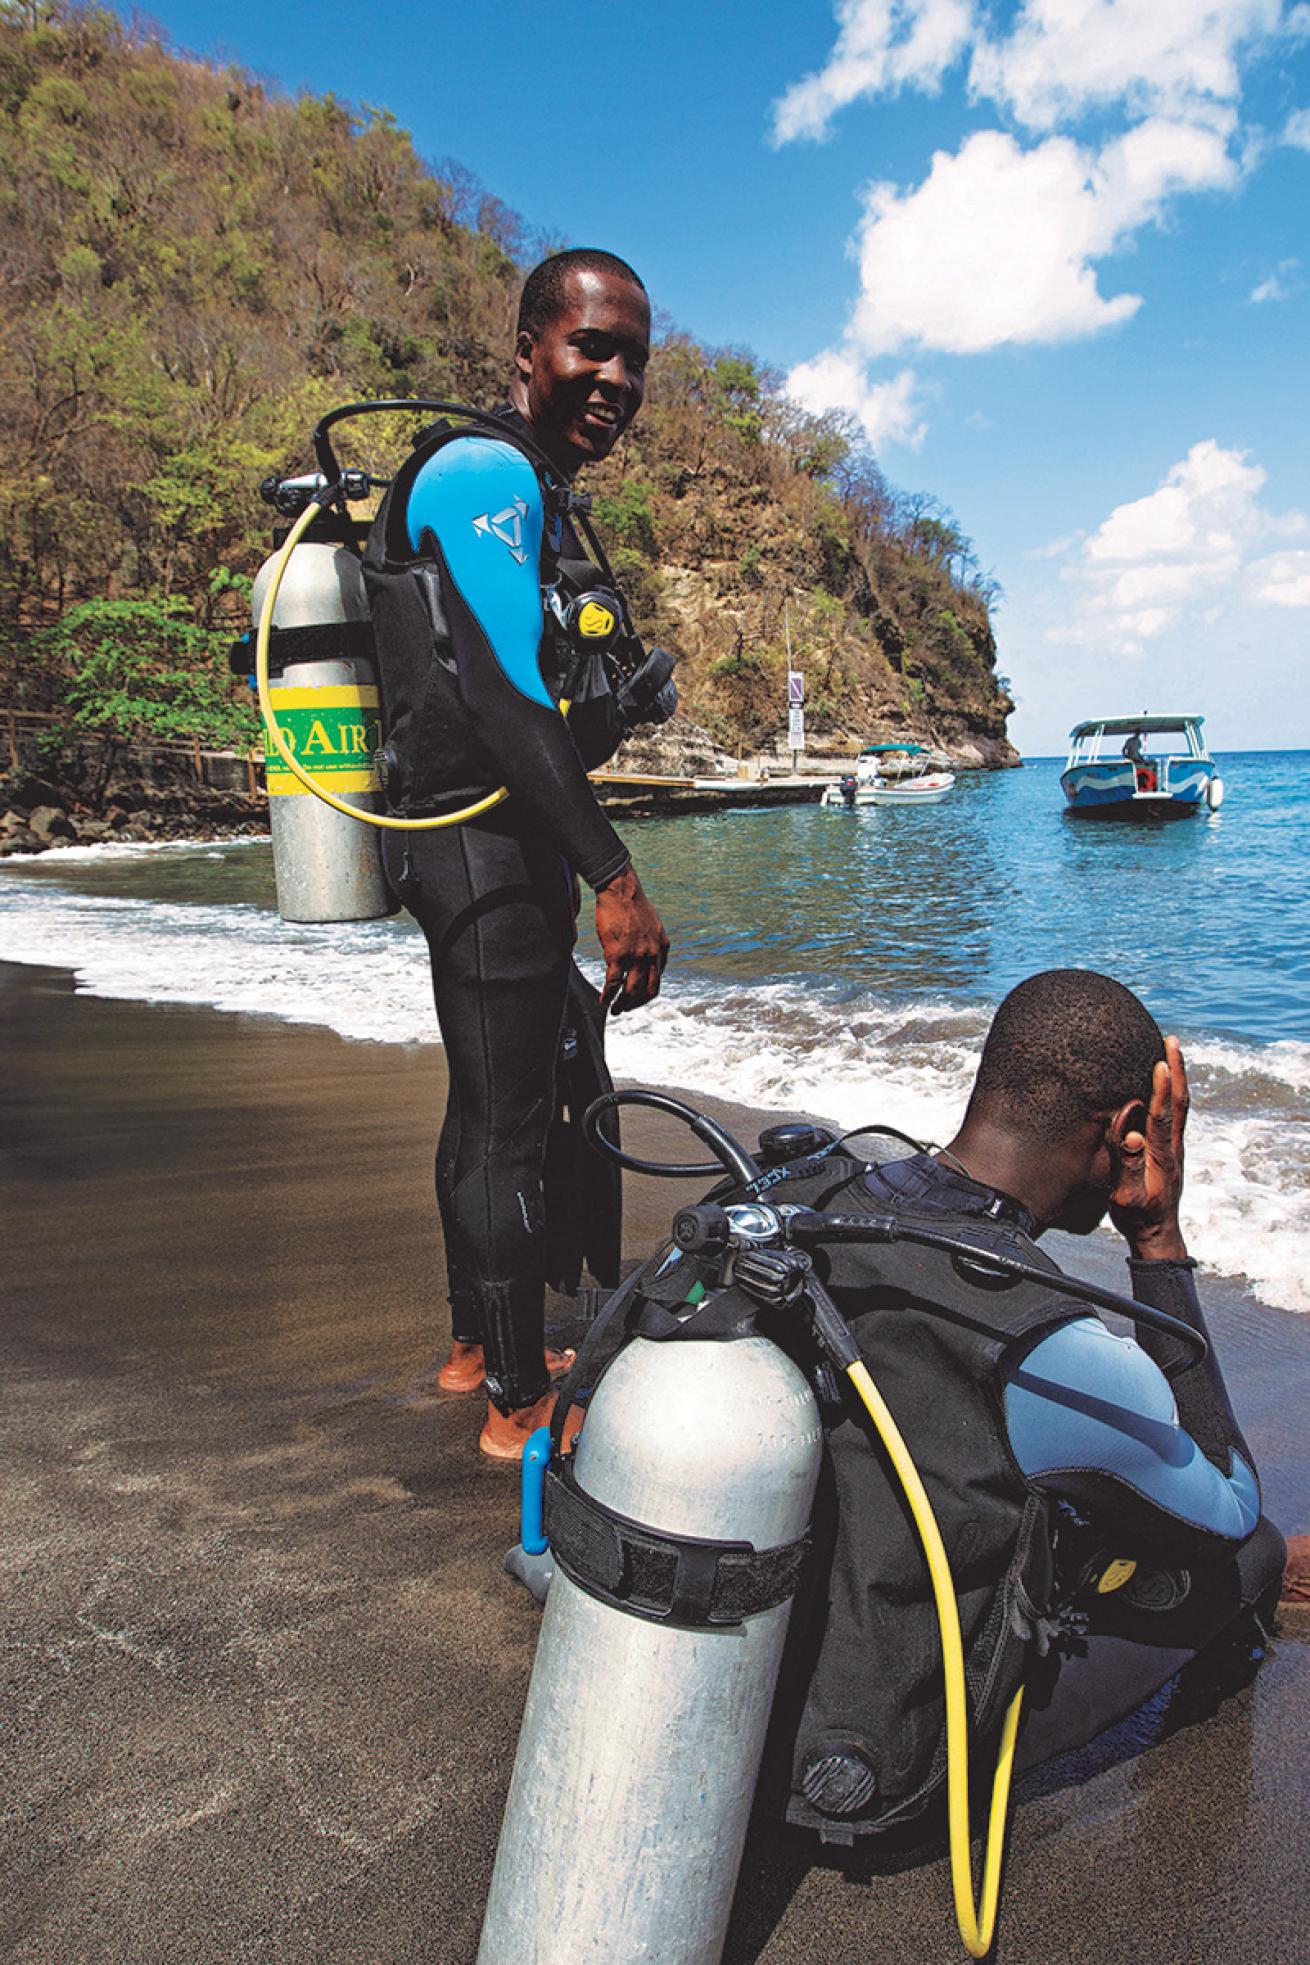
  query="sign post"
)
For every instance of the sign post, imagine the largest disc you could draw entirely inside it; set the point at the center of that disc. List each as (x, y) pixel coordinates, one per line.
(795, 715)
(795, 699)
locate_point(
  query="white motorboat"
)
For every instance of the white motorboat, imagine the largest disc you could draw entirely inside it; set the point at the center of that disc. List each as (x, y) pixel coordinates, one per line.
(886, 774)
(1176, 778)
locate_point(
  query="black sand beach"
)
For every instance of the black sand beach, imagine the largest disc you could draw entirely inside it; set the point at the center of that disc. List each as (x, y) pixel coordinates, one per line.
(263, 1671)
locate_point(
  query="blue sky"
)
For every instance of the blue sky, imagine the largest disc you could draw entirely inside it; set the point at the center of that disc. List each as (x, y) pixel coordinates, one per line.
(1054, 254)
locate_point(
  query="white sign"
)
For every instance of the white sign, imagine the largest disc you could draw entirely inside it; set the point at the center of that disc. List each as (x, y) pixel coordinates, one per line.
(795, 686)
(795, 729)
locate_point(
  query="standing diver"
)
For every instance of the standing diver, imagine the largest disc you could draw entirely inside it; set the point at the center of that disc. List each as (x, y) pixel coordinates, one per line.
(469, 550)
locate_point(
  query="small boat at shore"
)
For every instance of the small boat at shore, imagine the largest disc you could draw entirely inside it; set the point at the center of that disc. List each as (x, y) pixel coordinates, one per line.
(1177, 776)
(886, 774)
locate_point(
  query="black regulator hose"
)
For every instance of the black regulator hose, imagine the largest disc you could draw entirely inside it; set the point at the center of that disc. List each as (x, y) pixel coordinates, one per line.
(730, 1155)
(807, 1225)
(479, 419)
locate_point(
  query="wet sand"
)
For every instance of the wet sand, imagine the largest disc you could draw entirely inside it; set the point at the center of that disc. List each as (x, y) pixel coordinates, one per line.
(263, 1672)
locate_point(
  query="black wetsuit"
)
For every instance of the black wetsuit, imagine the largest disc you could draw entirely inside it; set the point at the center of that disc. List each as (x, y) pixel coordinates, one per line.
(494, 895)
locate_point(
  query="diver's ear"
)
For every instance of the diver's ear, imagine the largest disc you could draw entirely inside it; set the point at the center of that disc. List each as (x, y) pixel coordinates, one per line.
(524, 343)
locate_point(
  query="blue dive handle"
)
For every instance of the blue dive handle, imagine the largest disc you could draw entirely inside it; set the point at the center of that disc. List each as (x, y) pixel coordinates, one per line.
(536, 1458)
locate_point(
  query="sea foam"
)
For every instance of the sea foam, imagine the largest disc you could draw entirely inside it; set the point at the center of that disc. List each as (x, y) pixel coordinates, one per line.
(786, 1046)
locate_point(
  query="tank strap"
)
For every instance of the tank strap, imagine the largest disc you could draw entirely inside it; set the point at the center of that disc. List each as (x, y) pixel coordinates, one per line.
(684, 1580)
(326, 641)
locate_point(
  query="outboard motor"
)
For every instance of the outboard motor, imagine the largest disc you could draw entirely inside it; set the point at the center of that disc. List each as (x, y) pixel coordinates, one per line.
(847, 786)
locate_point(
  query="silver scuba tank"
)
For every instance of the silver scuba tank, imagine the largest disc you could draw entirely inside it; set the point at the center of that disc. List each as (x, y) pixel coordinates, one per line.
(323, 686)
(642, 1737)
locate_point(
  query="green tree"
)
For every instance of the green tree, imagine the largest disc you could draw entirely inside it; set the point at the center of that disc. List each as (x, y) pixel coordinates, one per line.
(146, 668)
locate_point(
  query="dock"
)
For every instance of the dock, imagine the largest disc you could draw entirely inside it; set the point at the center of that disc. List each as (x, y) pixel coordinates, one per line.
(646, 794)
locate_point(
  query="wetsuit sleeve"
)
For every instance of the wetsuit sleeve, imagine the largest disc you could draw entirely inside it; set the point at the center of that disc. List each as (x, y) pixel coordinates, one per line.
(476, 505)
(1087, 1403)
(1197, 1384)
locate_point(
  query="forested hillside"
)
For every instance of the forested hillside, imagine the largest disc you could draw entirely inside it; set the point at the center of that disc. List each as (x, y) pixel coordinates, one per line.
(195, 267)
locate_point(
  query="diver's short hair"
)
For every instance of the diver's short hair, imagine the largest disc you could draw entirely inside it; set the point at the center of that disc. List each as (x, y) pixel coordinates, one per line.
(1064, 1046)
(544, 291)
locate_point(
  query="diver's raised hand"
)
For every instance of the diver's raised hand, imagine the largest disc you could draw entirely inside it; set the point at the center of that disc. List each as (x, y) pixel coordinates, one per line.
(633, 942)
(1144, 1204)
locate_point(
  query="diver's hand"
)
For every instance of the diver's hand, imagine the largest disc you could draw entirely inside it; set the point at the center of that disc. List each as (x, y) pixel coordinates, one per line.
(633, 942)
(1144, 1205)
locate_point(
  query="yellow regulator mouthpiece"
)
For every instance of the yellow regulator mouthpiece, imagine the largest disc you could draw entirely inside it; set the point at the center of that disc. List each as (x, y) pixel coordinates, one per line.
(596, 623)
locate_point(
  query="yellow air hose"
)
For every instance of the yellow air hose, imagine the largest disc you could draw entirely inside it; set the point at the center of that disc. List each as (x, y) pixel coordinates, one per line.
(977, 1925)
(280, 743)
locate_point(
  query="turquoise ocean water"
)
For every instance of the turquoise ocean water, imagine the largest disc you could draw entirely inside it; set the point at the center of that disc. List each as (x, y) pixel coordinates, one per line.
(836, 963)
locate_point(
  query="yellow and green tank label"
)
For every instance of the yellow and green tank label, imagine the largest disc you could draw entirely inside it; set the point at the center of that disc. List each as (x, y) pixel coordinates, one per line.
(334, 733)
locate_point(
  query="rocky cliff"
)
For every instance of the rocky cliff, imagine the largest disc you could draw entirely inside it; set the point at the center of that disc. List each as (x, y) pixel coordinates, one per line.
(184, 297)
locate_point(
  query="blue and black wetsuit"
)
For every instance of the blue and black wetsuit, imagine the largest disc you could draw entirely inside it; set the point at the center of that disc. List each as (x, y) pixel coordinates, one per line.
(1085, 1406)
(471, 682)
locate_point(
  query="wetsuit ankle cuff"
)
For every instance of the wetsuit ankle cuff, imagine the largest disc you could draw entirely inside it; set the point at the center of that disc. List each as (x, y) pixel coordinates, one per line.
(508, 1397)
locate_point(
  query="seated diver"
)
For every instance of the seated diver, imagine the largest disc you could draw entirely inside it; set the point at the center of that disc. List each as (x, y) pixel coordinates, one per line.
(1070, 1119)
(1127, 1446)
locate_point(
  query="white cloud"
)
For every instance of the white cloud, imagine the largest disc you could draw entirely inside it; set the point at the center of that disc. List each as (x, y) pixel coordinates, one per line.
(1002, 243)
(996, 246)
(1204, 504)
(1054, 548)
(1279, 285)
(1062, 58)
(883, 46)
(1187, 546)
(889, 412)
(1048, 62)
(1282, 580)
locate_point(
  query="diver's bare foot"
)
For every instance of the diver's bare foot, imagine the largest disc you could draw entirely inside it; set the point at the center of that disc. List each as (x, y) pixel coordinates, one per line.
(464, 1370)
(506, 1433)
(1296, 1580)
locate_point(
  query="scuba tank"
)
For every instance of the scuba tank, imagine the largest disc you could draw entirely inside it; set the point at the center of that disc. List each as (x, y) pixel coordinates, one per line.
(678, 1534)
(316, 659)
(323, 689)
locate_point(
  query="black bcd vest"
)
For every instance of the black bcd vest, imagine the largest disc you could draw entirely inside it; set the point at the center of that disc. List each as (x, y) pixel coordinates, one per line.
(863, 1665)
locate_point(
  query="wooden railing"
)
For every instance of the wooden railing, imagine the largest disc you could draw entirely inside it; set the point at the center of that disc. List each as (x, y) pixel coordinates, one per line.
(188, 747)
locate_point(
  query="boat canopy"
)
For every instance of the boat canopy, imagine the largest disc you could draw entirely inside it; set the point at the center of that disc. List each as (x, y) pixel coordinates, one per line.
(878, 750)
(1123, 726)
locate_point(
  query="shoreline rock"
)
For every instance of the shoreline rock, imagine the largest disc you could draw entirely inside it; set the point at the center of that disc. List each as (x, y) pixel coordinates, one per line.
(159, 798)
(38, 813)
